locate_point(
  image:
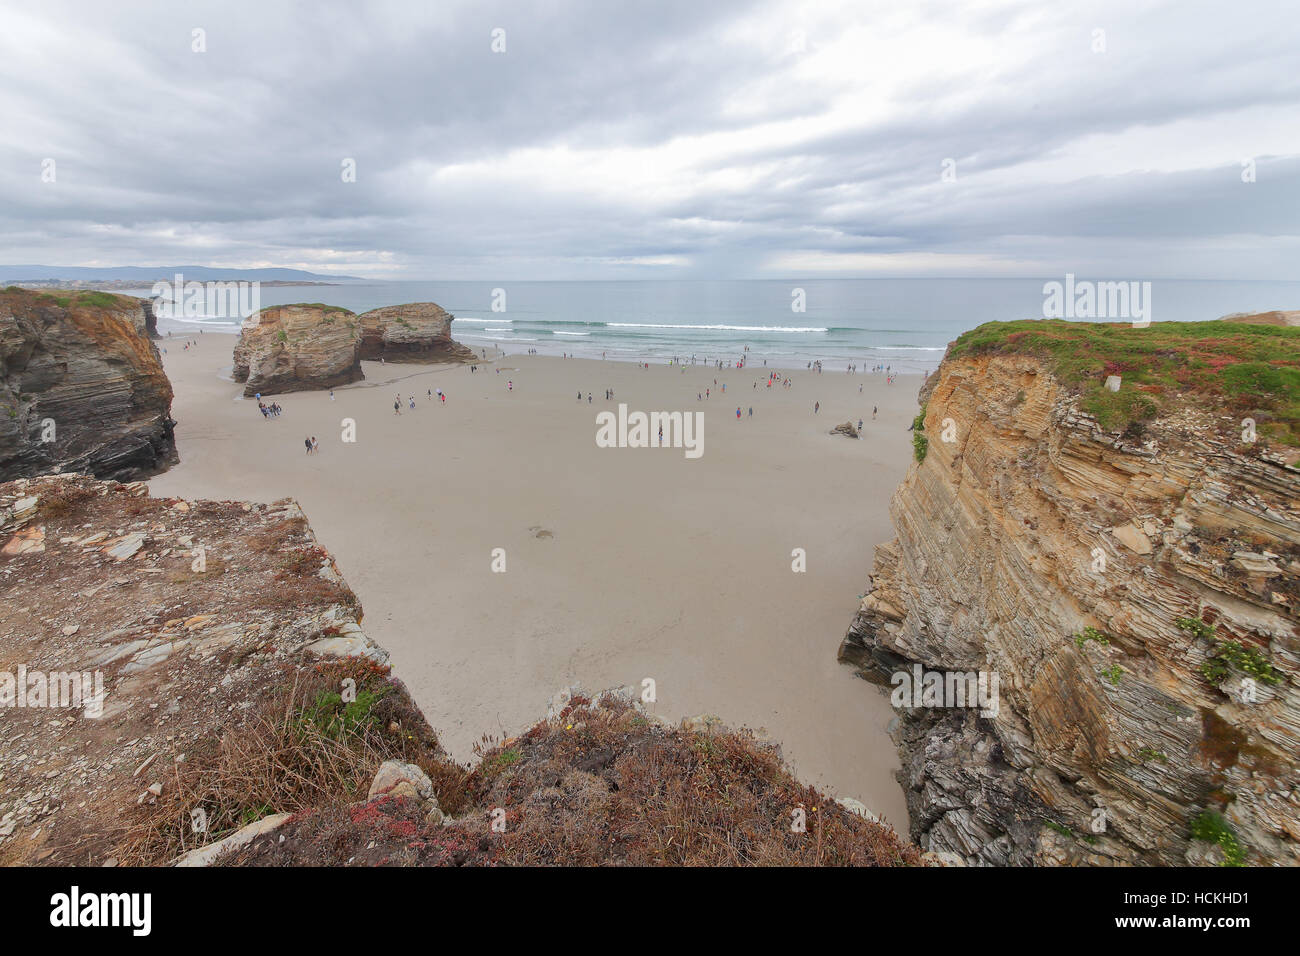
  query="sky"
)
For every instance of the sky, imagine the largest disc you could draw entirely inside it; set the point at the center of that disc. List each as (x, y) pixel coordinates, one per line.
(701, 139)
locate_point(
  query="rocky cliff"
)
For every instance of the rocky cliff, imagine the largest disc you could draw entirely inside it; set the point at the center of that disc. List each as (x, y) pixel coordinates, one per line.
(190, 682)
(1126, 561)
(414, 332)
(294, 348)
(81, 386)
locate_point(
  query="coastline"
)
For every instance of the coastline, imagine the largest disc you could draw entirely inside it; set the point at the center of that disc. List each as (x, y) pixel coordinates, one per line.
(655, 566)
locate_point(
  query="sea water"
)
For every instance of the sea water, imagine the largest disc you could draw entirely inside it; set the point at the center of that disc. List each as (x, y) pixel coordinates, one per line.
(902, 324)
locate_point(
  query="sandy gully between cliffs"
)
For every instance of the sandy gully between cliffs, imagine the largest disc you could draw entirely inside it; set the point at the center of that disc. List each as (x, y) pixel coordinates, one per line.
(655, 566)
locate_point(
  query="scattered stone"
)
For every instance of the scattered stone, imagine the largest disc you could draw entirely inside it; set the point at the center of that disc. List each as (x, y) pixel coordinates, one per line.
(704, 724)
(399, 779)
(858, 807)
(206, 855)
(26, 541)
(126, 546)
(847, 429)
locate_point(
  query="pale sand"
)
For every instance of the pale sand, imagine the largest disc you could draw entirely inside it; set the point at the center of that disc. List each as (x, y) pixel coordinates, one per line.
(661, 567)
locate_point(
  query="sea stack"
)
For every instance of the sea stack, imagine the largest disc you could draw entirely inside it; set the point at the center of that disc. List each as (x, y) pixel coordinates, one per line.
(82, 388)
(295, 348)
(413, 332)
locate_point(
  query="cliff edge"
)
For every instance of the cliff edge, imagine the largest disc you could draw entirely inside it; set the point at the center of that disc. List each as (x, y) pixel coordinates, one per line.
(82, 387)
(190, 682)
(1105, 521)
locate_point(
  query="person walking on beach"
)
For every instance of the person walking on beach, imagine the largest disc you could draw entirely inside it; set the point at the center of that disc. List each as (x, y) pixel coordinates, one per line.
(737, 413)
(817, 407)
(314, 447)
(859, 424)
(873, 412)
(397, 407)
(331, 394)
(510, 386)
(307, 442)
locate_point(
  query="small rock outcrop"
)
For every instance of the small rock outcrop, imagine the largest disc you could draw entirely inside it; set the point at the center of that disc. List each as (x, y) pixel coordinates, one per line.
(847, 430)
(413, 332)
(82, 388)
(1276, 317)
(295, 348)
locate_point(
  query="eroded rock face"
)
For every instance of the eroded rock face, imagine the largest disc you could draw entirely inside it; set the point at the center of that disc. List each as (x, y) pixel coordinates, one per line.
(414, 332)
(294, 348)
(1033, 525)
(177, 618)
(81, 387)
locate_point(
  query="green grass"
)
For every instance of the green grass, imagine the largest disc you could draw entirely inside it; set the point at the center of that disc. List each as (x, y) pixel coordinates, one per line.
(86, 299)
(920, 444)
(1091, 634)
(336, 719)
(1233, 655)
(1195, 627)
(1213, 827)
(311, 305)
(498, 762)
(1236, 369)
(98, 300)
(253, 814)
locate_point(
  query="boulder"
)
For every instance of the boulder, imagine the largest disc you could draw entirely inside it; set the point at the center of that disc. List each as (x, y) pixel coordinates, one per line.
(413, 332)
(207, 855)
(295, 348)
(82, 388)
(397, 779)
(846, 429)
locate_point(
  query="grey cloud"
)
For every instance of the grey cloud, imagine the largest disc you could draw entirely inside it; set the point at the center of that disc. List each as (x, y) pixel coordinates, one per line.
(233, 156)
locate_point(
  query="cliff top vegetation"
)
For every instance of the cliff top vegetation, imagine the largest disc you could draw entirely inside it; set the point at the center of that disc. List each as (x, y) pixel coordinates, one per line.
(1244, 370)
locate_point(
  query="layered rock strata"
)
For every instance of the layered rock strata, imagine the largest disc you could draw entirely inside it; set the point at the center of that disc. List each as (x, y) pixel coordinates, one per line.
(82, 387)
(1138, 599)
(293, 348)
(414, 332)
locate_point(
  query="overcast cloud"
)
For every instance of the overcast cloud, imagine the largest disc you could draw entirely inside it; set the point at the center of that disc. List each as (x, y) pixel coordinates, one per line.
(671, 139)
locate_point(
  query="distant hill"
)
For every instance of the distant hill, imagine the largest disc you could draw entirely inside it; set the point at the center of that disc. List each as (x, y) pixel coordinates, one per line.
(28, 273)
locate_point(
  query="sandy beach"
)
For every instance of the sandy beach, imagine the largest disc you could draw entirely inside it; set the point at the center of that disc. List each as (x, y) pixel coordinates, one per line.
(621, 563)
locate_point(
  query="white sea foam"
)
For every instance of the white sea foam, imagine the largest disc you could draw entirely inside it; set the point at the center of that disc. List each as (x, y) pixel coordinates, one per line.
(716, 328)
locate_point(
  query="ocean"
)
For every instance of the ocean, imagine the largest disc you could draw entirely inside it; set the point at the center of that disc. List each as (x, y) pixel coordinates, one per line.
(904, 324)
